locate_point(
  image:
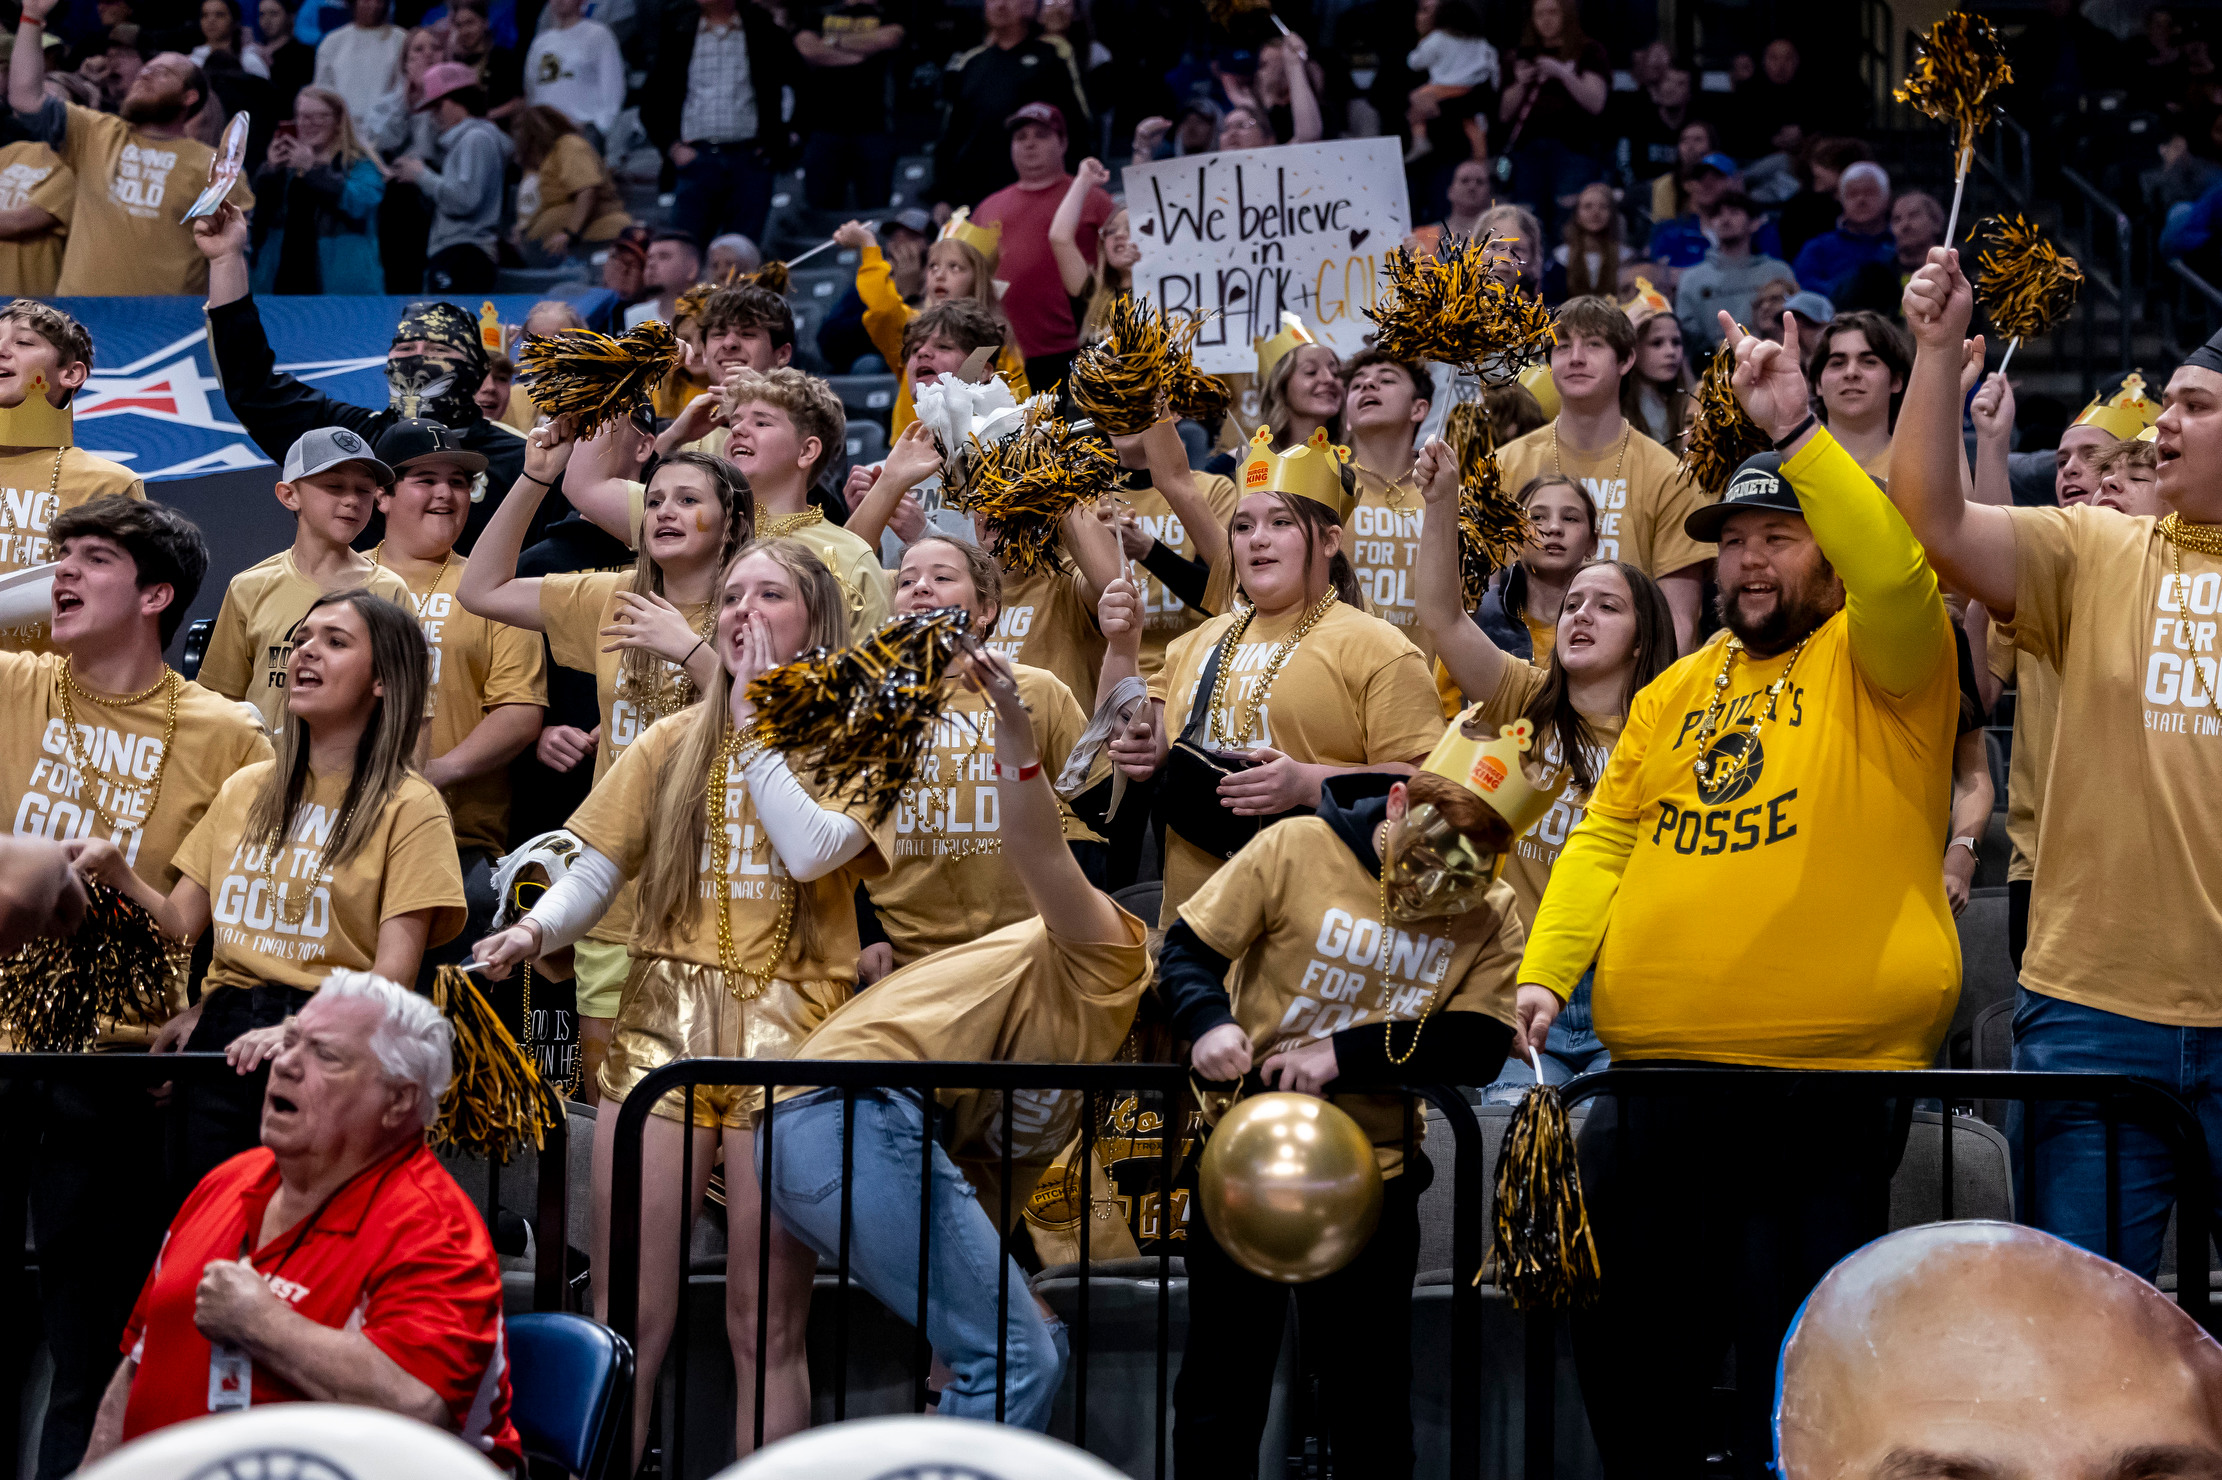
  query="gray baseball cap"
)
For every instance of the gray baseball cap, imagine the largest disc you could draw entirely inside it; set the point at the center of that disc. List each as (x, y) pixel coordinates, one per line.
(328, 447)
(1811, 305)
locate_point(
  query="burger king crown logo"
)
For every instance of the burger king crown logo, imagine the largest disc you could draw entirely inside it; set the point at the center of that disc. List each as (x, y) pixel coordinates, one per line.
(986, 240)
(2125, 414)
(1491, 769)
(1312, 471)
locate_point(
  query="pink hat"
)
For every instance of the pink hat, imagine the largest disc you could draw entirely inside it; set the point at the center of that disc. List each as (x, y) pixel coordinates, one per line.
(442, 78)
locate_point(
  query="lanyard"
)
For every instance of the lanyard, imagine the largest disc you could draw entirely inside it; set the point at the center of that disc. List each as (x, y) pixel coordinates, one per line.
(308, 1224)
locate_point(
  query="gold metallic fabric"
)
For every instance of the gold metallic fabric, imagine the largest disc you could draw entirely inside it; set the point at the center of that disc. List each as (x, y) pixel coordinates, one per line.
(676, 1010)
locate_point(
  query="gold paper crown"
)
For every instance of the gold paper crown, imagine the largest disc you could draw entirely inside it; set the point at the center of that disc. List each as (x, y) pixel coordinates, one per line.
(490, 331)
(986, 240)
(1645, 304)
(1312, 471)
(2126, 413)
(1293, 333)
(38, 422)
(1537, 379)
(1492, 770)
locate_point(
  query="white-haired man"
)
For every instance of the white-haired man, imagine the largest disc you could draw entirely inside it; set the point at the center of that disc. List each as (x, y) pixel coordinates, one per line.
(338, 1262)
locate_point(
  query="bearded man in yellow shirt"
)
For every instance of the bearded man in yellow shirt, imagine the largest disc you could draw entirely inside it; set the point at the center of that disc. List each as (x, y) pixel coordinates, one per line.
(1756, 880)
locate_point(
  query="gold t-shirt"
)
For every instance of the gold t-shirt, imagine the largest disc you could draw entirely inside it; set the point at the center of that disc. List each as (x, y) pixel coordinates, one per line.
(1639, 511)
(946, 881)
(27, 511)
(129, 238)
(122, 746)
(1354, 693)
(2125, 913)
(1382, 539)
(1528, 869)
(2036, 709)
(1542, 639)
(1046, 624)
(1016, 995)
(33, 175)
(573, 611)
(617, 818)
(1300, 919)
(1164, 615)
(477, 666)
(263, 605)
(266, 932)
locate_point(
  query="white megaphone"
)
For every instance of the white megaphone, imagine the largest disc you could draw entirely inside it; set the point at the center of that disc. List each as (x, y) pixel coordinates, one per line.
(27, 596)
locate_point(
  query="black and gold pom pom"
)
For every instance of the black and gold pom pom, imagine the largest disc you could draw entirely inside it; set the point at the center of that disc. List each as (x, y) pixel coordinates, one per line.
(859, 720)
(1120, 381)
(2026, 283)
(1958, 67)
(1546, 1254)
(1452, 307)
(1721, 433)
(1024, 484)
(591, 379)
(55, 992)
(689, 305)
(773, 275)
(1189, 392)
(497, 1100)
(1492, 522)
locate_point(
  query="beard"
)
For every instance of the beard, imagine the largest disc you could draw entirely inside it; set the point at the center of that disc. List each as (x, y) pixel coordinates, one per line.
(1801, 604)
(163, 110)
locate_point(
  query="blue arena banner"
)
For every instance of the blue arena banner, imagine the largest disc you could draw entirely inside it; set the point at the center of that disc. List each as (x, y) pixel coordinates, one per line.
(153, 403)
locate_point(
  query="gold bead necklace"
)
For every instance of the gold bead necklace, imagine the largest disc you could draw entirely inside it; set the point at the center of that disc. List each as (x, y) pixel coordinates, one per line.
(2203, 539)
(1388, 1024)
(777, 526)
(320, 877)
(1217, 714)
(1710, 774)
(730, 751)
(65, 687)
(1628, 430)
(673, 687)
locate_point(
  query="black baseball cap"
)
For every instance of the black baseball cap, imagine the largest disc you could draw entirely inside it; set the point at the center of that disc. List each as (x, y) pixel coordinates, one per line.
(413, 440)
(1758, 484)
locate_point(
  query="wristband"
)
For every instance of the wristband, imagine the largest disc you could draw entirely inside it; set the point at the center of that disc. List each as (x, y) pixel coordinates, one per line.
(689, 658)
(1025, 773)
(1798, 431)
(544, 483)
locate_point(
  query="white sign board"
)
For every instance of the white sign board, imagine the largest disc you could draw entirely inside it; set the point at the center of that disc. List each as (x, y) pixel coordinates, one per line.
(1243, 234)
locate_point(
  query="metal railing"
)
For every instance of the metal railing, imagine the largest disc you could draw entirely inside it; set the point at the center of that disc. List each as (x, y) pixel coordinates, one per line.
(2189, 294)
(2121, 1099)
(2088, 216)
(2005, 156)
(1165, 1082)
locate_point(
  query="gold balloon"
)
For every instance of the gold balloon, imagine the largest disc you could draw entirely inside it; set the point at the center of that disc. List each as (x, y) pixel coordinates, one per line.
(1290, 1187)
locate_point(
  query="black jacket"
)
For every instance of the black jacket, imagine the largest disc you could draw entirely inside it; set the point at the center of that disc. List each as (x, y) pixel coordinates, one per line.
(1458, 1047)
(772, 65)
(986, 85)
(1499, 614)
(276, 409)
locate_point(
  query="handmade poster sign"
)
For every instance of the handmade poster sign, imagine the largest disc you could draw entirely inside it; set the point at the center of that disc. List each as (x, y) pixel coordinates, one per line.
(223, 169)
(1238, 236)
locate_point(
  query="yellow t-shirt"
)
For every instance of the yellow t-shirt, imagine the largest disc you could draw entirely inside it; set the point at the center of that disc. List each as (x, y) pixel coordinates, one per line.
(946, 881)
(264, 603)
(573, 611)
(1164, 615)
(1794, 915)
(1639, 510)
(573, 166)
(2125, 914)
(33, 175)
(128, 238)
(2036, 709)
(1528, 869)
(618, 819)
(854, 564)
(1016, 995)
(1382, 539)
(1046, 623)
(123, 747)
(27, 511)
(1354, 693)
(1542, 639)
(477, 665)
(1300, 919)
(265, 932)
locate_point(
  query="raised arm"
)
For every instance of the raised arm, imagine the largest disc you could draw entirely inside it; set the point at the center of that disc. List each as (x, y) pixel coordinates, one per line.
(911, 461)
(1971, 545)
(27, 63)
(490, 586)
(1170, 475)
(182, 914)
(1475, 662)
(1306, 124)
(1094, 547)
(1993, 412)
(598, 481)
(1064, 227)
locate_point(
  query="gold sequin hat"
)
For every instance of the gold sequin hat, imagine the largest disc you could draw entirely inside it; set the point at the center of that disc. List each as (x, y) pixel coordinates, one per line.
(2126, 413)
(1492, 770)
(38, 422)
(1293, 333)
(986, 240)
(1313, 471)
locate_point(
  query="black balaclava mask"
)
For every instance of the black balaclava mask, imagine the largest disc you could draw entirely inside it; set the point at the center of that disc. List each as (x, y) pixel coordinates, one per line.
(437, 389)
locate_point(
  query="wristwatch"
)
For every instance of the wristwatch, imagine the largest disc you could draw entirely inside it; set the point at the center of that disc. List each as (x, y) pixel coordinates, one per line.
(1974, 847)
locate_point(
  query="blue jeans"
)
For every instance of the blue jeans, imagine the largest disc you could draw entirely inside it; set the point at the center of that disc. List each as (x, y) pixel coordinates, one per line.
(1570, 1049)
(2052, 1036)
(968, 1263)
(725, 187)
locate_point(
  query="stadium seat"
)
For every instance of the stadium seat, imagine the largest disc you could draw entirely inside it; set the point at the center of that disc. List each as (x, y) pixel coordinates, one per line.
(810, 316)
(1982, 1172)
(1994, 1049)
(196, 647)
(1122, 1358)
(913, 173)
(1986, 972)
(823, 285)
(539, 280)
(571, 1381)
(1503, 1396)
(1998, 852)
(865, 395)
(867, 442)
(1142, 900)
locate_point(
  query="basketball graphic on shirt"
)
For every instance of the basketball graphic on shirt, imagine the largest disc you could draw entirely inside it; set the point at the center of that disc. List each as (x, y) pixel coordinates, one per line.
(272, 1464)
(1735, 762)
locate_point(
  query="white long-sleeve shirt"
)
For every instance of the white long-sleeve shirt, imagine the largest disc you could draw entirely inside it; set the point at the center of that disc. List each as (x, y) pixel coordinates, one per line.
(578, 71)
(361, 66)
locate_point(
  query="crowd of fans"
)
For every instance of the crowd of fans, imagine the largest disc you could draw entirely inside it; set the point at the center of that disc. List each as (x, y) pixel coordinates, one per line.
(1747, 723)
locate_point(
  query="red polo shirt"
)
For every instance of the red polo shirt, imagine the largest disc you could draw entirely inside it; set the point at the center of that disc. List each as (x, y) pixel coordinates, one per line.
(398, 1254)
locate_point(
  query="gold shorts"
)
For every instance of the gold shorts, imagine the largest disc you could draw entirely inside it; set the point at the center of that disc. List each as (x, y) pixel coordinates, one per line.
(676, 1010)
(600, 968)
